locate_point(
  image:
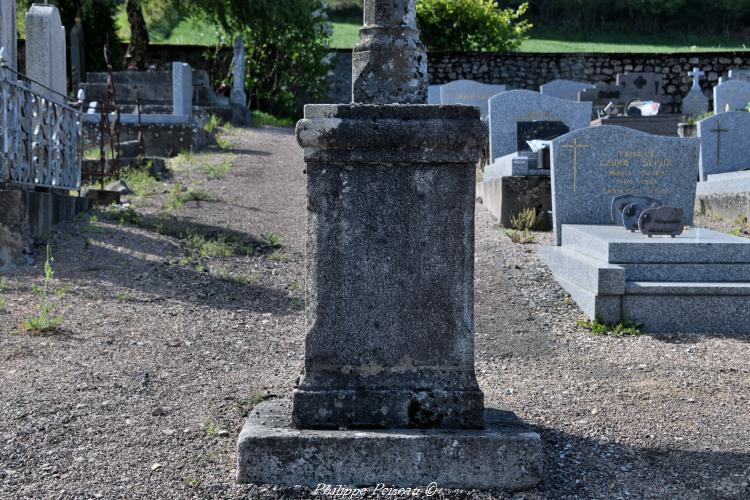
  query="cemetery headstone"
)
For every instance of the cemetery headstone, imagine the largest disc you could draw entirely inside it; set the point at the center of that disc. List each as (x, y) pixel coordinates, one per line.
(77, 55)
(238, 97)
(604, 93)
(644, 86)
(695, 103)
(470, 93)
(46, 54)
(182, 89)
(733, 95)
(593, 165)
(736, 74)
(389, 392)
(8, 35)
(433, 94)
(724, 138)
(564, 89)
(512, 107)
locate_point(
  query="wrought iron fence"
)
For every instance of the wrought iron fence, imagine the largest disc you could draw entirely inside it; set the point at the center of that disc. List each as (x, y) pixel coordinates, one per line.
(41, 138)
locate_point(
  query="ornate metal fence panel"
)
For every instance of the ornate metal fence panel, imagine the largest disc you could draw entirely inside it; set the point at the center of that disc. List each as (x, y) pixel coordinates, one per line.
(41, 139)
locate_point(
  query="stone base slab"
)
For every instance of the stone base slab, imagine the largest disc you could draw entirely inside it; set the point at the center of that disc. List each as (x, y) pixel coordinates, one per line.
(505, 455)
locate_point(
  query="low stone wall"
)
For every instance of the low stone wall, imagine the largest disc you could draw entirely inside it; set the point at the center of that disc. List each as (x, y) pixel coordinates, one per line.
(523, 70)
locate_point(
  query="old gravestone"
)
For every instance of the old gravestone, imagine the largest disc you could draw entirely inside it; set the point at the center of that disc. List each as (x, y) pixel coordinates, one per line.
(724, 138)
(695, 103)
(46, 55)
(564, 89)
(470, 93)
(733, 95)
(644, 86)
(238, 97)
(604, 93)
(389, 393)
(8, 35)
(510, 108)
(736, 74)
(77, 54)
(433, 94)
(182, 89)
(593, 165)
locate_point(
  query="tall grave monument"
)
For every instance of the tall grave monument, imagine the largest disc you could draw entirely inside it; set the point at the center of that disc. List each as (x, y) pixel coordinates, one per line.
(389, 392)
(46, 54)
(8, 36)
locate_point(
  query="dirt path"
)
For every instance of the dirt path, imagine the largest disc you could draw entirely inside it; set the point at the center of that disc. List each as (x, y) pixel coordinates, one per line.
(177, 321)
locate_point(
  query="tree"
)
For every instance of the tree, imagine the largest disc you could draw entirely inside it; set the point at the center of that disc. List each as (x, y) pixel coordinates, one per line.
(135, 58)
(287, 48)
(471, 25)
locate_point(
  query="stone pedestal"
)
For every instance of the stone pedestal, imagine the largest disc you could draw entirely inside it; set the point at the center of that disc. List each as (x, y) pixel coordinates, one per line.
(390, 261)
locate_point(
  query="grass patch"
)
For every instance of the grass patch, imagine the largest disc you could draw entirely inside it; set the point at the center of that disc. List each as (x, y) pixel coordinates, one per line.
(219, 246)
(278, 257)
(261, 119)
(213, 123)
(212, 429)
(246, 405)
(272, 240)
(219, 171)
(524, 237)
(191, 482)
(223, 143)
(92, 154)
(741, 227)
(141, 180)
(621, 329)
(124, 216)
(3, 302)
(45, 321)
(178, 196)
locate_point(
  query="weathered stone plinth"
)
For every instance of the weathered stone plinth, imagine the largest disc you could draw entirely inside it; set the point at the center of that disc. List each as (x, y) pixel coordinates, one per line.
(390, 262)
(504, 455)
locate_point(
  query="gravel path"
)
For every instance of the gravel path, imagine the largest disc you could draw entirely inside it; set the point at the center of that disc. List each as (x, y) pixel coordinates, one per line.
(164, 351)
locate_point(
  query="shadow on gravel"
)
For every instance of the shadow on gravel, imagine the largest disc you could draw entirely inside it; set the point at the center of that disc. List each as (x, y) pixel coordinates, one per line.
(670, 338)
(578, 467)
(250, 152)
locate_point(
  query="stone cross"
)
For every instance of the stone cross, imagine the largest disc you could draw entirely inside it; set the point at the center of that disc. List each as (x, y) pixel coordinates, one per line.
(389, 63)
(46, 54)
(696, 74)
(8, 36)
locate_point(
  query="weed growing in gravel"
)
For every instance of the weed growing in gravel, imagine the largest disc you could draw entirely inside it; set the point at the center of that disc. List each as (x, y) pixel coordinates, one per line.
(205, 247)
(178, 196)
(219, 171)
(91, 226)
(124, 216)
(223, 143)
(44, 321)
(278, 257)
(524, 237)
(122, 297)
(741, 227)
(190, 481)
(141, 180)
(272, 240)
(212, 124)
(525, 220)
(246, 405)
(212, 429)
(621, 329)
(186, 156)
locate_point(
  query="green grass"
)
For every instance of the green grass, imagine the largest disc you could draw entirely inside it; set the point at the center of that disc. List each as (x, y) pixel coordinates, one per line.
(170, 27)
(346, 32)
(218, 171)
(261, 119)
(177, 197)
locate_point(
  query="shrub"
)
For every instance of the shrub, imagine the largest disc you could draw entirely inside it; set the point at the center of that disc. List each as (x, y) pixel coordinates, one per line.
(471, 25)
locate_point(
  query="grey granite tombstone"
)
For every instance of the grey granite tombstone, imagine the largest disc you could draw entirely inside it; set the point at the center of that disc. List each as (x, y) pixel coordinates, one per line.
(470, 93)
(389, 392)
(593, 165)
(509, 108)
(238, 97)
(46, 54)
(644, 86)
(604, 93)
(733, 95)
(564, 89)
(695, 103)
(736, 74)
(77, 54)
(8, 35)
(182, 89)
(433, 94)
(724, 139)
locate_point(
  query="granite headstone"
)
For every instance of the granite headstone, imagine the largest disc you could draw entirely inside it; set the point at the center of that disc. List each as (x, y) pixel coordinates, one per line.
(433, 94)
(695, 103)
(644, 86)
(736, 74)
(8, 35)
(733, 95)
(604, 93)
(564, 89)
(470, 93)
(182, 89)
(46, 54)
(593, 165)
(724, 139)
(77, 55)
(509, 108)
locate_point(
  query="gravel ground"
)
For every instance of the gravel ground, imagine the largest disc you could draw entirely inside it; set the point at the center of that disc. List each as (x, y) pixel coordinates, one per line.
(163, 352)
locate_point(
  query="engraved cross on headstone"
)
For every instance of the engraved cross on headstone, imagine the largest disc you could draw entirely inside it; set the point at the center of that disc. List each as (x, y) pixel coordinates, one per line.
(696, 74)
(718, 131)
(575, 147)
